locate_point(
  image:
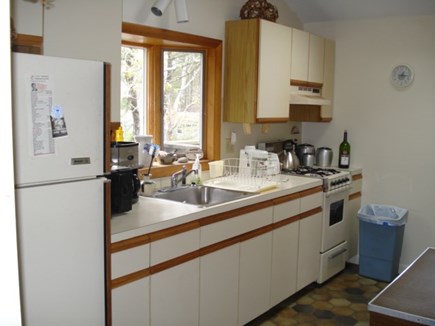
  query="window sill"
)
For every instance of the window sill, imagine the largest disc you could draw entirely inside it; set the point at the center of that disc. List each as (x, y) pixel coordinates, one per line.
(161, 170)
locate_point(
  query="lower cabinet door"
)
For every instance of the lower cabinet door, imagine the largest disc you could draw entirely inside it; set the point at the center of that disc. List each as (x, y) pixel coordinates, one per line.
(175, 295)
(130, 304)
(219, 284)
(254, 281)
(310, 234)
(284, 262)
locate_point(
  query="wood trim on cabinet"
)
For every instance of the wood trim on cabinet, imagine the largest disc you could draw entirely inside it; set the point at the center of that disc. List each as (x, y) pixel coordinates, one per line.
(107, 251)
(358, 176)
(107, 123)
(310, 191)
(218, 246)
(271, 120)
(169, 232)
(284, 199)
(304, 83)
(117, 282)
(26, 43)
(233, 213)
(307, 113)
(174, 262)
(130, 243)
(355, 195)
(286, 221)
(310, 212)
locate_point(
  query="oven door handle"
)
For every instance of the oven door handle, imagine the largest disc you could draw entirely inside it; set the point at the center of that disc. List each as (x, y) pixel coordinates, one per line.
(338, 253)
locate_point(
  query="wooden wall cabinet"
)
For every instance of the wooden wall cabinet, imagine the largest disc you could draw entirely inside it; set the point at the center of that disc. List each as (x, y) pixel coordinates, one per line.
(257, 71)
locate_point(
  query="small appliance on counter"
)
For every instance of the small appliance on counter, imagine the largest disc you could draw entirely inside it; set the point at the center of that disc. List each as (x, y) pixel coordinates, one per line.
(125, 154)
(305, 153)
(125, 186)
(124, 176)
(324, 157)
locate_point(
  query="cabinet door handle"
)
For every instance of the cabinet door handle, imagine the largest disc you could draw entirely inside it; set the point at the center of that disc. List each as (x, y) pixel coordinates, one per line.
(338, 253)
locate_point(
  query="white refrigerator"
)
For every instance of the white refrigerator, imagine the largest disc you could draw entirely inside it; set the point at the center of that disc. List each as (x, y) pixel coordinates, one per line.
(58, 125)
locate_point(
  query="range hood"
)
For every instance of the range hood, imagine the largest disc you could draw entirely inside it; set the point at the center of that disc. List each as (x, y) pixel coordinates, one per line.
(302, 95)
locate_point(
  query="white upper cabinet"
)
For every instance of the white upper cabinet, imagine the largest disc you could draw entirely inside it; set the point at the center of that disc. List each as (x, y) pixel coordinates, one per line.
(316, 59)
(257, 71)
(308, 51)
(299, 56)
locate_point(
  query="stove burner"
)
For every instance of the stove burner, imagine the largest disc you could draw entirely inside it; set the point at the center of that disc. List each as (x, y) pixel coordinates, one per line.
(312, 171)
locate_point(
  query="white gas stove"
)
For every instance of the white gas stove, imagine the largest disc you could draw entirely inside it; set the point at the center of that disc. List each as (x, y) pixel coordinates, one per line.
(333, 180)
(336, 185)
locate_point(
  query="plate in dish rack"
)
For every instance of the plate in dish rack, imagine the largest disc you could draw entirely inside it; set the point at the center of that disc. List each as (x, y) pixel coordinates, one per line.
(231, 183)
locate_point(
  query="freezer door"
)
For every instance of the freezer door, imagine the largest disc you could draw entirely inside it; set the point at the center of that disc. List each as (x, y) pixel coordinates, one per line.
(58, 114)
(61, 253)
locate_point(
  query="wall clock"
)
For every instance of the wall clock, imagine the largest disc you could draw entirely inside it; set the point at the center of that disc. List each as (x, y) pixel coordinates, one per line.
(402, 76)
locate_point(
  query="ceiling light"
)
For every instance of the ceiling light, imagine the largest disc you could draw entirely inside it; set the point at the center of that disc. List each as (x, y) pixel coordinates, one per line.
(181, 11)
(160, 6)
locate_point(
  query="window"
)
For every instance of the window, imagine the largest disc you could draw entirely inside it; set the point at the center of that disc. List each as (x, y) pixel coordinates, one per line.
(133, 73)
(182, 89)
(176, 95)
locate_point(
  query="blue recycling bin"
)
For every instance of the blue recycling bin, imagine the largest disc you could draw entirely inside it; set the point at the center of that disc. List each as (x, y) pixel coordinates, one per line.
(381, 229)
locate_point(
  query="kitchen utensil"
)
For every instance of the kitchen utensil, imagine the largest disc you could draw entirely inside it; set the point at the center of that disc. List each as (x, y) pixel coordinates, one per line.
(308, 159)
(302, 149)
(152, 149)
(291, 161)
(324, 156)
(144, 157)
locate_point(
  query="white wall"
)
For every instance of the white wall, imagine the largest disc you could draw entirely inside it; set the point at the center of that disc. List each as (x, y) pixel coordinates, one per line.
(207, 18)
(391, 132)
(77, 29)
(87, 30)
(9, 293)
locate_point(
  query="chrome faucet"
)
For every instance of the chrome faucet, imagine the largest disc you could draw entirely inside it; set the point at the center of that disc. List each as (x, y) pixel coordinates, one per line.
(184, 174)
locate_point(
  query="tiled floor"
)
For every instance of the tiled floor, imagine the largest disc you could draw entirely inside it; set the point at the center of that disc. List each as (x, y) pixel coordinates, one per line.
(341, 300)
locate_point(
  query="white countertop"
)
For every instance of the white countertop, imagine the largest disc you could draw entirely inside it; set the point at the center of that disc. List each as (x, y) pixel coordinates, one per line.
(151, 214)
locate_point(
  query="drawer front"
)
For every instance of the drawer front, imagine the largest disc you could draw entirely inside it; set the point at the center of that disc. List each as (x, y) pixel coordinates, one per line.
(174, 246)
(130, 260)
(355, 186)
(333, 262)
(234, 226)
(311, 201)
(286, 210)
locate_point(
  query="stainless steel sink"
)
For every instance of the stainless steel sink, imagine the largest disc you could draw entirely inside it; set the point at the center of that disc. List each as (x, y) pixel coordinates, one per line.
(202, 196)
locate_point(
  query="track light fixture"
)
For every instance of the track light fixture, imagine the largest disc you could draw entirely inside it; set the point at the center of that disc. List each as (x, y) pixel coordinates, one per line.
(160, 6)
(180, 9)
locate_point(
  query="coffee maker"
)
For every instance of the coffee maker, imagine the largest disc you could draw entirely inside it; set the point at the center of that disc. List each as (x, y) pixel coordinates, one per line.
(125, 184)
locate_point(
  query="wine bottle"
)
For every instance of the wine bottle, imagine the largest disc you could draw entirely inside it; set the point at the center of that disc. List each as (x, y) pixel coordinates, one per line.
(344, 153)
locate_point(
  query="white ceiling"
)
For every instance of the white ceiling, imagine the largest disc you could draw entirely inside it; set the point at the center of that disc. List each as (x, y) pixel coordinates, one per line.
(331, 10)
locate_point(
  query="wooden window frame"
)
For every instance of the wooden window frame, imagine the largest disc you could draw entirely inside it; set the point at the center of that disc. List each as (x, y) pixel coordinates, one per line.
(156, 39)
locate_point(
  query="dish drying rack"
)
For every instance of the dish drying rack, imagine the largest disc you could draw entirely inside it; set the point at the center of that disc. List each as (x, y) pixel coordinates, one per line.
(247, 174)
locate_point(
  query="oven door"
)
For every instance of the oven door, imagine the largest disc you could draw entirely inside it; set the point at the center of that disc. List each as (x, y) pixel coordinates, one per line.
(334, 219)
(332, 262)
